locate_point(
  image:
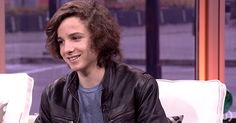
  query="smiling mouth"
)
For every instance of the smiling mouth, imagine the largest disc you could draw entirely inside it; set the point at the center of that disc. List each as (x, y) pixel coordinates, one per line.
(73, 58)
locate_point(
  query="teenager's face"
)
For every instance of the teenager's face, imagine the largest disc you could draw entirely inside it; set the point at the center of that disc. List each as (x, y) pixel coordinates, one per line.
(75, 48)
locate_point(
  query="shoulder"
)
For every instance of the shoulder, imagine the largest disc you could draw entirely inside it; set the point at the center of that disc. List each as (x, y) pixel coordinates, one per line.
(135, 74)
(59, 83)
(136, 79)
(57, 86)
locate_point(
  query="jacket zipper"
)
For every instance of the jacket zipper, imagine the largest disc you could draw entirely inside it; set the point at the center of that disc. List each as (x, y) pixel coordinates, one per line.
(77, 102)
(64, 119)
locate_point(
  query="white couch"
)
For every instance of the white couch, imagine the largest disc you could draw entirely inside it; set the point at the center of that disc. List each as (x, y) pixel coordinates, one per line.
(16, 91)
(198, 101)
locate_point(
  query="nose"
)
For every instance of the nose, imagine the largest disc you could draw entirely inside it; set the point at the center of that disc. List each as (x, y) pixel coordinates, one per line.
(68, 47)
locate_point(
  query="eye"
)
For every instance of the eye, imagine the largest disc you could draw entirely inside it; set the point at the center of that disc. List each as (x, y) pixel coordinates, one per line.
(59, 40)
(77, 38)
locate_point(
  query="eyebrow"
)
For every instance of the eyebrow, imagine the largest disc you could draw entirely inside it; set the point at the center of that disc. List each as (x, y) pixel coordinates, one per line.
(72, 34)
(76, 33)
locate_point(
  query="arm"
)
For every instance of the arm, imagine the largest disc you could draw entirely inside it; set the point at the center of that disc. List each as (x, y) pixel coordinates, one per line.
(44, 110)
(149, 108)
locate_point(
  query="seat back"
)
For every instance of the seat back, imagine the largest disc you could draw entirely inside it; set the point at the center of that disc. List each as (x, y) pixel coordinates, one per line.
(199, 101)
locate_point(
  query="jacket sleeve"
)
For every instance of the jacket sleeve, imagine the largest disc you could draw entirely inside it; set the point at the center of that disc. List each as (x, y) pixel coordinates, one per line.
(44, 110)
(150, 109)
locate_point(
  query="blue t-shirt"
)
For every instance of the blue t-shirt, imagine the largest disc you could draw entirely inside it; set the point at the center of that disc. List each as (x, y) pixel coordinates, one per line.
(90, 104)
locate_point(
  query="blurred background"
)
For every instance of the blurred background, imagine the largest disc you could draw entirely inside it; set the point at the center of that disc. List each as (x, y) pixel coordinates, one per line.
(25, 21)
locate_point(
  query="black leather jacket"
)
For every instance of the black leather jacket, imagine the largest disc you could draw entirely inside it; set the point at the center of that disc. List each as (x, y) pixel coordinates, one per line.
(129, 96)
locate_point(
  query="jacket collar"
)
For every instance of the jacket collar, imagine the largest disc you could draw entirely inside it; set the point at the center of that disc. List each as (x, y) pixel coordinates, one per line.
(73, 80)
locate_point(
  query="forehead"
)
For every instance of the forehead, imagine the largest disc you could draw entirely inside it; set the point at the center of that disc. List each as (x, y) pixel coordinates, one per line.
(71, 25)
(71, 22)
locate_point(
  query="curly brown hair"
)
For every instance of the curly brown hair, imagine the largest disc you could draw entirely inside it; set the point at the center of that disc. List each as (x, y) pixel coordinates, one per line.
(105, 32)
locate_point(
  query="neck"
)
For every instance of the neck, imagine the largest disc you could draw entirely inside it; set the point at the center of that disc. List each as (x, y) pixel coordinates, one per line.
(91, 78)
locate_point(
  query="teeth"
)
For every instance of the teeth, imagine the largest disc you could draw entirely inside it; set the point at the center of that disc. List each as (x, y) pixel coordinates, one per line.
(73, 58)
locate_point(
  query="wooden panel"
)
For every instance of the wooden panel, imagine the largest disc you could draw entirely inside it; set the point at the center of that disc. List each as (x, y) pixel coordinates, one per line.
(2, 37)
(222, 40)
(210, 40)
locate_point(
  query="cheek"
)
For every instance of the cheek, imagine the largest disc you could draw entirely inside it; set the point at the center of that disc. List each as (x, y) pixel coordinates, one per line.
(61, 53)
(93, 55)
(60, 49)
(91, 51)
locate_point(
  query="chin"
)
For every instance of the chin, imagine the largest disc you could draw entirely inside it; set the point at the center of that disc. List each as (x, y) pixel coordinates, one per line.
(74, 67)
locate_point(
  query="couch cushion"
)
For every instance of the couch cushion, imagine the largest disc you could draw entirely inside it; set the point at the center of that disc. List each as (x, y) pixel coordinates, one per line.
(199, 101)
(16, 90)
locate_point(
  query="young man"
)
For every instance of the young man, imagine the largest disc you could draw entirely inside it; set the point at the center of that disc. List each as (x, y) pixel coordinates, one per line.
(99, 89)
